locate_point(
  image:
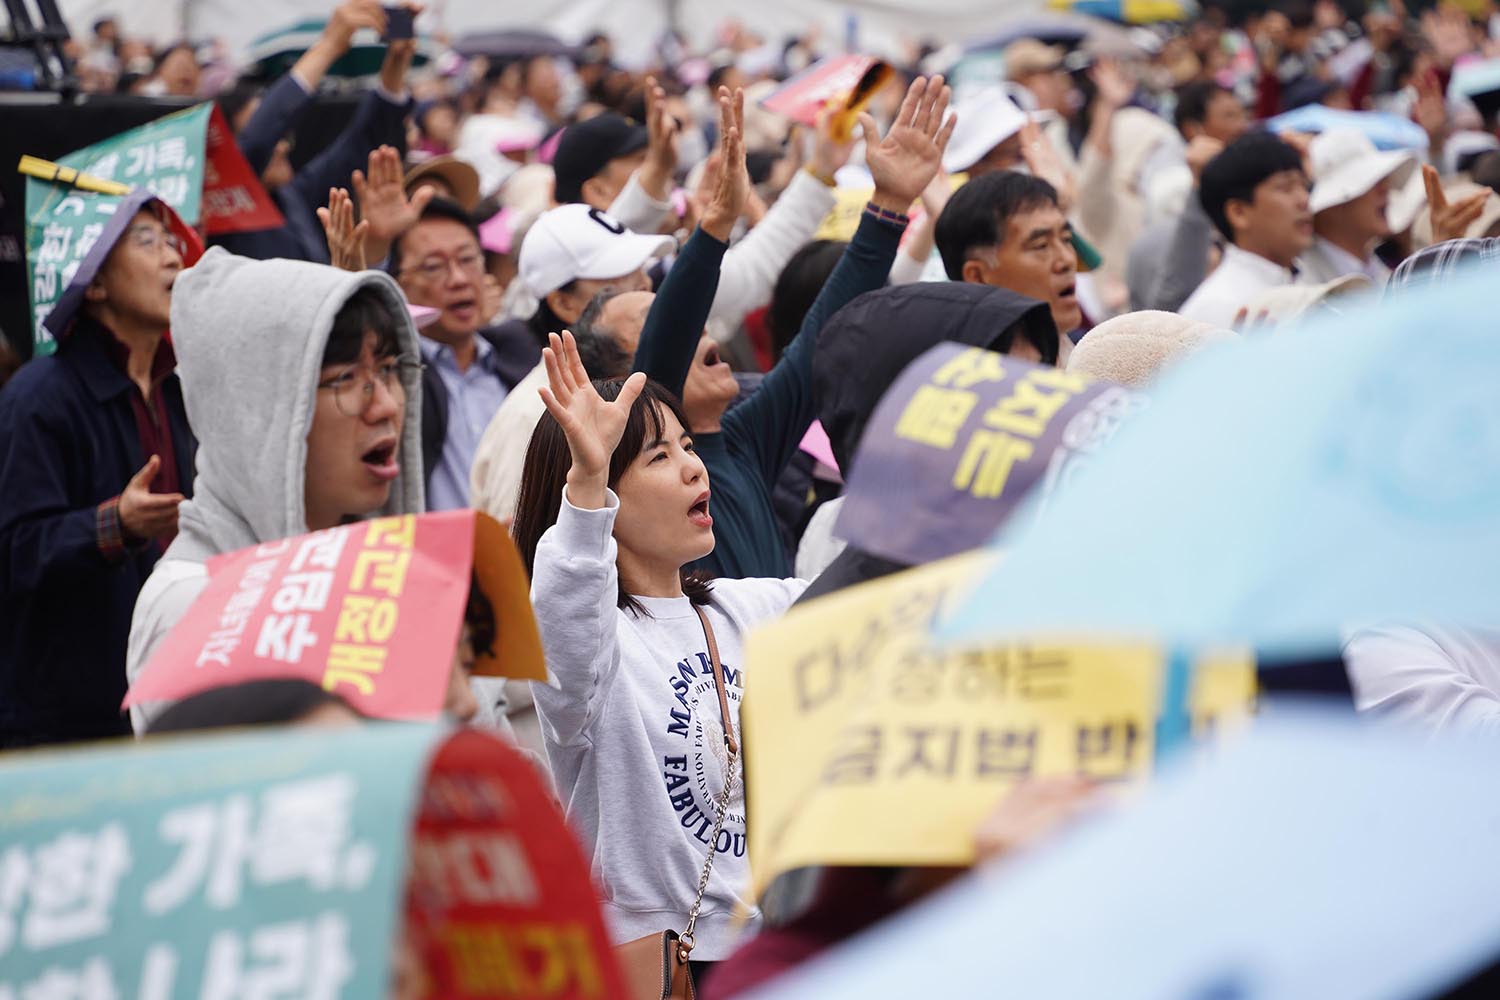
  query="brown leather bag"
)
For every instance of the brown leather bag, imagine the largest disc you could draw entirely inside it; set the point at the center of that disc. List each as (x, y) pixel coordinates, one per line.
(655, 967)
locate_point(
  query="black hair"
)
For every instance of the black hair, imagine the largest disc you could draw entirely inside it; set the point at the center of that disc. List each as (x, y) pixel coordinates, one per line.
(546, 472)
(162, 54)
(546, 320)
(1235, 173)
(1193, 100)
(270, 702)
(601, 354)
(1298, 12)
(797, 287)
(479, 616)
(365, 310)
(979, 212)
(1483, 167)
(437, 208)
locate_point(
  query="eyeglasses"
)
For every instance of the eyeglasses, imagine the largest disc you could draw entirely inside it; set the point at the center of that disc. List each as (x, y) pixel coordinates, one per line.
(354, 388)
(149, 237)
(436, 268)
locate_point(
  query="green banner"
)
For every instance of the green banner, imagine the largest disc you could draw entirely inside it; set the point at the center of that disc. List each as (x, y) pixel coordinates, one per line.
(62, 225)
(165, 156)
(263, 865)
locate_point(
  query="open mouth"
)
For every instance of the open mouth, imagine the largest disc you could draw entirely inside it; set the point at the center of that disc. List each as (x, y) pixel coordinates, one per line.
(463, 306)
(698, 512)
(381, 461)
(1068, 293)
(711, 357)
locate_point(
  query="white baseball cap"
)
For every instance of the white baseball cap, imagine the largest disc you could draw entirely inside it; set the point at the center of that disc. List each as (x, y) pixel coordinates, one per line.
(985, 120)
(1346, 164)
(575, 241)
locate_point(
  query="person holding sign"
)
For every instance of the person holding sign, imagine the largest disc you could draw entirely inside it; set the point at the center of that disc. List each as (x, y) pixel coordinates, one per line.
(647, 660)
(327, 361)
(95, 458)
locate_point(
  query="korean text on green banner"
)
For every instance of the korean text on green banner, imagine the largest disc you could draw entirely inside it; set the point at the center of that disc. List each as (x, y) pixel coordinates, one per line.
(267, 864)
(189, 159)
(62, 227)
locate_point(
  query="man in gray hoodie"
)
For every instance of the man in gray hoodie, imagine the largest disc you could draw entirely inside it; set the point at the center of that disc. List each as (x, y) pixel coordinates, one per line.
(303, 384)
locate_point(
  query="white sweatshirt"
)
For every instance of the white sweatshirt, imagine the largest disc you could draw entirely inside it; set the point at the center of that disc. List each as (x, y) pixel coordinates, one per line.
(1439, 677)
(633, 732)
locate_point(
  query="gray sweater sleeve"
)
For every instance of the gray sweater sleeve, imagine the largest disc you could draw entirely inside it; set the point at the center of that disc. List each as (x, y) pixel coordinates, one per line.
(574, 587)
(1186, 263)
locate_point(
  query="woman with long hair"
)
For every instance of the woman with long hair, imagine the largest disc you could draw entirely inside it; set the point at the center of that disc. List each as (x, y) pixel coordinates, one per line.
(639, 732)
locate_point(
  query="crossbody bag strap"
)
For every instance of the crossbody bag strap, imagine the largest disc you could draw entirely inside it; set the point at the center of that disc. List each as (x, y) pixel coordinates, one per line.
(731, 742)
(713, 654)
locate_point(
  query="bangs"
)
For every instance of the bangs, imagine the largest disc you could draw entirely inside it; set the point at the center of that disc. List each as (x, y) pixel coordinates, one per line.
(364, 312)
(647, 422)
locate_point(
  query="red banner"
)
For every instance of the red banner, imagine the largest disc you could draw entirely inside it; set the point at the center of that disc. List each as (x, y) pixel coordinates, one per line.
(844, 83)
(371, 611)
(500, 903)
(233, 199)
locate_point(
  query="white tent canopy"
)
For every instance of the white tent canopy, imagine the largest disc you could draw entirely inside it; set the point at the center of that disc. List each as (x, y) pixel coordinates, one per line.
(635, 25)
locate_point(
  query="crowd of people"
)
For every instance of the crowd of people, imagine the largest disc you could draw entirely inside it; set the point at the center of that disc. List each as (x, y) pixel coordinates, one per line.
(612, 308)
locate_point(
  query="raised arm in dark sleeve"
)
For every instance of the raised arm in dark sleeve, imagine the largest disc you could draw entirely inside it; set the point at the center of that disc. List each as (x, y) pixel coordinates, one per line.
(675, 323)
(280, 106)
(378, 121)
(771, 423)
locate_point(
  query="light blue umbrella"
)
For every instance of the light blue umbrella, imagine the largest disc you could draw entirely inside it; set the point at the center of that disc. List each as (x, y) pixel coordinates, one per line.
(1279, 489)
(1315, 858)
(1386, 131)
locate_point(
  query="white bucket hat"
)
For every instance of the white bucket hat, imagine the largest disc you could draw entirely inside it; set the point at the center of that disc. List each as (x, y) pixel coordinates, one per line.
(1346, 164)
(985, 120)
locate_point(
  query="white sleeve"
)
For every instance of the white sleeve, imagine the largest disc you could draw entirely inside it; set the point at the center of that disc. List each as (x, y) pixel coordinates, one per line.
(906, 271)
(819, 546)
(636, 210)
(751, 266)
(171, 589)
(1404, 673)
(574, 588)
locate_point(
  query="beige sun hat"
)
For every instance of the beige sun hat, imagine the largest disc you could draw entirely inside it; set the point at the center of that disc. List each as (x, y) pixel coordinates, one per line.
(1346, 164)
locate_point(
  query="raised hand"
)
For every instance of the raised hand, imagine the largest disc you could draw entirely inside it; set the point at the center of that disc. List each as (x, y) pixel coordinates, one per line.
(1450, 222)
(905, 161)
(828, 154)
(1113, 85)
(144, 514)
(382, 196)
(1042, 159)
(346, 241)
(731, 191)
(661, 144)
(349, 17)
(592, 425)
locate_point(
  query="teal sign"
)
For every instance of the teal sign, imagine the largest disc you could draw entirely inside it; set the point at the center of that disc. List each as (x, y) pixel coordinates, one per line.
(250, 865)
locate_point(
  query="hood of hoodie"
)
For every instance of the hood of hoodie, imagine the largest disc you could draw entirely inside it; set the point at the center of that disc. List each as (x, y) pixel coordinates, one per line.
(866, 345)
(249, 336)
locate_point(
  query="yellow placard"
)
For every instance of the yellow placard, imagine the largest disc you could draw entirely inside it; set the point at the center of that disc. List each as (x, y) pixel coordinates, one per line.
(867, 746)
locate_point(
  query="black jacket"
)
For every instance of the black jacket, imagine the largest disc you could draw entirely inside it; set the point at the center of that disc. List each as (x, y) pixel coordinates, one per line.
(68, 442)
(516, 354)
(868, 344)
(377, 121)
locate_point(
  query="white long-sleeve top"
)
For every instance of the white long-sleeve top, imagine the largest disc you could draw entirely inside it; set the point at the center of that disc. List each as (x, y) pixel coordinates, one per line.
(751, 266)
(1440, 677)
(633, 732)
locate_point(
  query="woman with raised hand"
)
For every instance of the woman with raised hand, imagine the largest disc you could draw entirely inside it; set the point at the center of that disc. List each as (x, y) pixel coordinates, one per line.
(640, 733)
